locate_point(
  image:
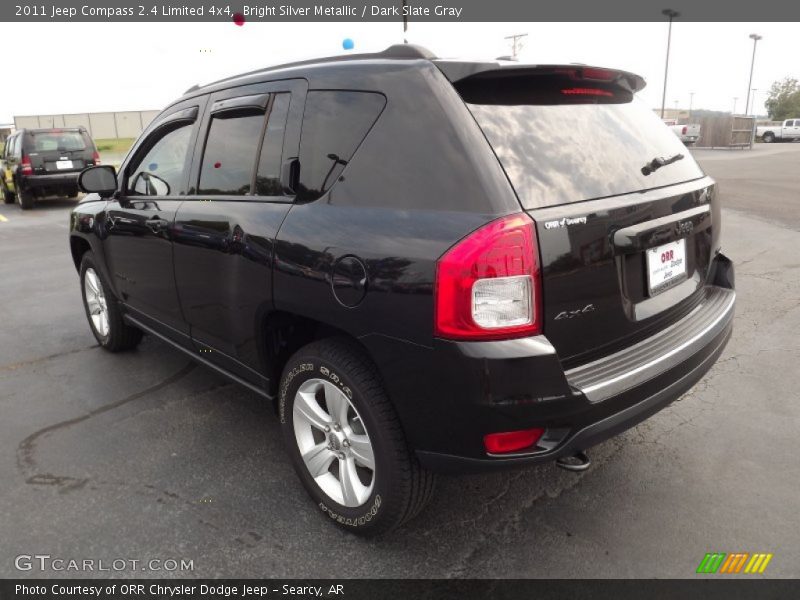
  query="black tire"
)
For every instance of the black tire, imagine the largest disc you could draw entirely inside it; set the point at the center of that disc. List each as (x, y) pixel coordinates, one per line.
(119, 336)
(768, 138)
(24, 199)
(8, 197)
(400, 486)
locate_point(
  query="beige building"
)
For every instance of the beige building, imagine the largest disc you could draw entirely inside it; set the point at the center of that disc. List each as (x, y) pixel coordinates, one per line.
(127, 124)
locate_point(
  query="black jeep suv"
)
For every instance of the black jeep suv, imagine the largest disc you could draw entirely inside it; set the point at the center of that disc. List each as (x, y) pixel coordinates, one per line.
(45, 162)
(427, 265)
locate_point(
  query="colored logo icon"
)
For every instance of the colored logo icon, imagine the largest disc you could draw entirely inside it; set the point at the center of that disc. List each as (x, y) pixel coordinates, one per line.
(735, 563)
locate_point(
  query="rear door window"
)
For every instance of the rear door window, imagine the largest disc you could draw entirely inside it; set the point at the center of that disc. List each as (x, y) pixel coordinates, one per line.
(560, 142)
(268, 178)
(230, 152)
(334, 125)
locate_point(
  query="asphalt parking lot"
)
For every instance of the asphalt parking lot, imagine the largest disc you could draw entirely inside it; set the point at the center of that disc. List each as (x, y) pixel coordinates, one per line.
(145, 456)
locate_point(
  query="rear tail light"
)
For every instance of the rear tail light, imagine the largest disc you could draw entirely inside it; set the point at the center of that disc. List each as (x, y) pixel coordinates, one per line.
(488, 284)
(27, 169)
(96, 157)
(684, 130)
(511, 441)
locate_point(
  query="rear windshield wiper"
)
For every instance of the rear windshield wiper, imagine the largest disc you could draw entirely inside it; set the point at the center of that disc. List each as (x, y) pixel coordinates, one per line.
(658, 162)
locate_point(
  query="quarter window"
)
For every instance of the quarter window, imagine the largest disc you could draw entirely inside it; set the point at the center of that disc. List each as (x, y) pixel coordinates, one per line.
(334, 125)
(161, 171)
(230, 153)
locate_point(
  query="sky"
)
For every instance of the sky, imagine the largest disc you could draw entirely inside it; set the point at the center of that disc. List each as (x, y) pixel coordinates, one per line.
(144, 66)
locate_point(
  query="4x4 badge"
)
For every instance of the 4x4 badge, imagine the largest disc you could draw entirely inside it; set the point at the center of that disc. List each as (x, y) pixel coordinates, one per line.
(571, 314)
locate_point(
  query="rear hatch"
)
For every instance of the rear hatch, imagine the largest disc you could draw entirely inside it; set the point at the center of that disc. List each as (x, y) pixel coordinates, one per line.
(626, 220)
(59, 150)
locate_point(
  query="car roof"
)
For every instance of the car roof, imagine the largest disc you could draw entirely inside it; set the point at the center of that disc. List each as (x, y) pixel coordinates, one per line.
(454, 70)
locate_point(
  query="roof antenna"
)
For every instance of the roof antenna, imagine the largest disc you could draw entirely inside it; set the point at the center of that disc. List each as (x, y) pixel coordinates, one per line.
(405, 22)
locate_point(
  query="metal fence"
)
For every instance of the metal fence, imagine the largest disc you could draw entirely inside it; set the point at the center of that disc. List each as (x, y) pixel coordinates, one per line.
(127, 124)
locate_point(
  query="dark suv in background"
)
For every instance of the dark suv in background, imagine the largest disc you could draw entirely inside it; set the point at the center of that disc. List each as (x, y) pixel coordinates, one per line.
(410, 259)
(45, 162)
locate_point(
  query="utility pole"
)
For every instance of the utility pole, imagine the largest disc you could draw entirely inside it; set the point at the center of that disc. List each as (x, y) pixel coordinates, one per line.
(516, 43)
(735, 98)
(691, 101)
(753, 106)
(667, 12)
(405, 23)
(755, 37)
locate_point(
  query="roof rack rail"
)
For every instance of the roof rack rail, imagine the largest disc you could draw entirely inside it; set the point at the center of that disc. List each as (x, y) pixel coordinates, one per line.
(396, 51)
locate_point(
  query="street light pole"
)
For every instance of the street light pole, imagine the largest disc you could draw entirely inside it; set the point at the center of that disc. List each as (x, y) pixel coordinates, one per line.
(691, 101)
(735, 98)
(753, 106)
(755, 37)
(667, 12)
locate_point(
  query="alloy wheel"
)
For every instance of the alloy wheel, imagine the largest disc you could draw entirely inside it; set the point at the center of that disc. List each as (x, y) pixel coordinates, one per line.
(96, 301)
(334, 443)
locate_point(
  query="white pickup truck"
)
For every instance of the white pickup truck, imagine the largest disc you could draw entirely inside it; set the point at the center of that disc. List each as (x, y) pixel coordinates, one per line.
(688, 134)
(786, 132)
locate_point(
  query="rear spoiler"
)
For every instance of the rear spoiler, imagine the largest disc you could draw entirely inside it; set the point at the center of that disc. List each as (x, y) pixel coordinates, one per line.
(458, 72)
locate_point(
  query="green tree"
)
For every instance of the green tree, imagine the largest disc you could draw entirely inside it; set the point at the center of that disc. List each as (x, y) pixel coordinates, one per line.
(783, 100)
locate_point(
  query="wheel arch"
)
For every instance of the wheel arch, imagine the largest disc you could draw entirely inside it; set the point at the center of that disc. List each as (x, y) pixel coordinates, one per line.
(78, 247)
(284, 333)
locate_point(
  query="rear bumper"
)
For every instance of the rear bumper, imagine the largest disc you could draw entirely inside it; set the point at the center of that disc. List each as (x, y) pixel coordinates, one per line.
(470, 389)
(46, 183)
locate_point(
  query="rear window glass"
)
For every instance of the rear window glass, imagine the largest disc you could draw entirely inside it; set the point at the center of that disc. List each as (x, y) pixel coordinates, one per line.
(64, 141)
(334, 124)
(562, 142)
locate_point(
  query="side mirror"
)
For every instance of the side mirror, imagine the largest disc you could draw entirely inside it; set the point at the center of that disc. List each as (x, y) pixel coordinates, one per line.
(100, 180)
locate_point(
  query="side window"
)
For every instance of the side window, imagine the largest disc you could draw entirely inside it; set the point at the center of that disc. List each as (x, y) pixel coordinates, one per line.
(268, 175)
(334, 124)
(161, 171)
(230, 152)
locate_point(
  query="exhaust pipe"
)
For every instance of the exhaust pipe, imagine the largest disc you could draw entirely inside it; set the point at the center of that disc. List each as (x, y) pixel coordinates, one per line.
(577, 462)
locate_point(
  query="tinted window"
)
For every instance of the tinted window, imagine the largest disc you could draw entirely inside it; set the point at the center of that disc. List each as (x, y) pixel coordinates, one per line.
(62, 141)
(334, 124)
(568, 144)
(268, 179)
(230, 153)
(161, 171)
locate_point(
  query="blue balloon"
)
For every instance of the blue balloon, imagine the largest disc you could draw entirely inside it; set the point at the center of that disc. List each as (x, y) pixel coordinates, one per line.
(348, 44)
